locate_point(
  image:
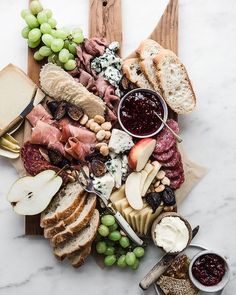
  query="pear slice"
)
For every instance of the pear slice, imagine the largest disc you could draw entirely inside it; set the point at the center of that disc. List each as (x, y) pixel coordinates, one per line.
(30, 195)
(8, 154)
(132, 190)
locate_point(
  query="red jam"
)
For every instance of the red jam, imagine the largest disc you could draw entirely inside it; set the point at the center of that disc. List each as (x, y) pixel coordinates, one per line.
(209, 269)
(138, 113)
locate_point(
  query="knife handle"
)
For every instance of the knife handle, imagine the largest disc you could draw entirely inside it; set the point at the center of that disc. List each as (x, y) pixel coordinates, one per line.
(127, 229)
(10, 125)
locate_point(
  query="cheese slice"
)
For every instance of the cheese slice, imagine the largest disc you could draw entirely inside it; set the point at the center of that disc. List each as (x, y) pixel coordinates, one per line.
(135, 218)
(142, 219)
(118, 194)
(122, 204)
(150, 218)
(126, 213)
(16, 90)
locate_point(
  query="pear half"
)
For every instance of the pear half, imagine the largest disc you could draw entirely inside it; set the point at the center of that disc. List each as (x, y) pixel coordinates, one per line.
(30, 195)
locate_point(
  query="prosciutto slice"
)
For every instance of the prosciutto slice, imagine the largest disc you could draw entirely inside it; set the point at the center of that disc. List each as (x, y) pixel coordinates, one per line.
(39, 114)
(77, 149)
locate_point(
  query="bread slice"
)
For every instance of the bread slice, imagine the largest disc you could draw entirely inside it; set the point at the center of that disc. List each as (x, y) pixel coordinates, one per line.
(174, 82)
(51, 231)
(62, 205)
(78, 259)
(132, 71)
(79, 240)
(82, 220)
(146, 51)
(171, 285)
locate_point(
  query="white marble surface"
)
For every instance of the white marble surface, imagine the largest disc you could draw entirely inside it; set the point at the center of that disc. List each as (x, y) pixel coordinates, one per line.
(207, 47)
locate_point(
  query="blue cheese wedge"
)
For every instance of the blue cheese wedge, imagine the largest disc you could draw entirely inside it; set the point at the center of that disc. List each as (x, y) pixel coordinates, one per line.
(120, 141)
(104, 185)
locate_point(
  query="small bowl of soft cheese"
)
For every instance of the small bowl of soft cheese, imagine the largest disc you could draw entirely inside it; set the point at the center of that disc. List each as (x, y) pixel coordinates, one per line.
(171, 232)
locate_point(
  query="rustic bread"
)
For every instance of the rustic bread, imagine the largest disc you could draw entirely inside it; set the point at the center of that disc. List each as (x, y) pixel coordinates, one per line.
(146, 51)
(79, 240)
(174, 286)
(62, 205)
(82, 220)
(174, 82)
(51, 231)
(78, 259)
(131, 69)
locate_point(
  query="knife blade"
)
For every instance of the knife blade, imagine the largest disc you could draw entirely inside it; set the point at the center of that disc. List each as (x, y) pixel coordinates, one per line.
(161, 266)
(36, 98)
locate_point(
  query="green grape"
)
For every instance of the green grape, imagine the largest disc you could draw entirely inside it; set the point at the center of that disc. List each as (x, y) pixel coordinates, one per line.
(124, 242)
(77, 30)
(72, 48)
(35, 7)
(34, 35)
(69, 66)
(108, 220)
(52, 22)
(45, 51)
(110, 250)
(101, 247)
(113, 227)
(38, 56)
(71, 56)
(31, 21)
(103, 230)
(139, 252)
(135, 265)
(66, 30)
(53, 58)
(121, 262)
(25, 32)
(60, 34)
(53, 33)
(45, 28)
(115, 235)
(57, 45)
(78, 38)
(33, 44)
(42, 17)
(66, 44)
(64, 55)
(24, 12)
(130, 258)
(109, 260)
(47, 39)
(48, 13)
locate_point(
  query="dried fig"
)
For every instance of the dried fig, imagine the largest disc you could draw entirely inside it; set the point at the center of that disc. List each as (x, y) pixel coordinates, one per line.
(98, 168)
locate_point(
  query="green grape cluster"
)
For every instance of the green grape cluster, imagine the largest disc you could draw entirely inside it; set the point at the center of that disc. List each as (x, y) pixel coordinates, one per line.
(57, 45)
(116, 248)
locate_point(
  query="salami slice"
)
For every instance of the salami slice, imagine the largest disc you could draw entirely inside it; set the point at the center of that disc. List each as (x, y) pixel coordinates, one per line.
(165, 139)
(164, 157)
(175, 171)
(174, 160)
(175, 183)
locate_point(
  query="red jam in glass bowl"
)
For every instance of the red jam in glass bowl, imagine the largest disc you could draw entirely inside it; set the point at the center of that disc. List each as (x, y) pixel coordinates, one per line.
(137, 112)
(209, 269)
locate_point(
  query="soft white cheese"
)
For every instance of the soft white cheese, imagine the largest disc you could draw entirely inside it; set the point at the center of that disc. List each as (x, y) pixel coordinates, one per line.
(104, 184)
(120, 141)
(172, 234)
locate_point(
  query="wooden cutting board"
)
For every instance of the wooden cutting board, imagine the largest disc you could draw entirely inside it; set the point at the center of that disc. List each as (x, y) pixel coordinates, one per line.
(105, 20)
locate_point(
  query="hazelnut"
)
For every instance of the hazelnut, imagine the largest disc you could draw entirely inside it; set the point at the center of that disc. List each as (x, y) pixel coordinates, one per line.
(83, 120)
(160, 188)
(89, 122)
(97, 128)
(165, 181)
(99, 119)
(108, 135)
(106, 126)
(156, 184)
(93, 125)
(104, 150)
(101, 135)
(100, 144)
(161, 174)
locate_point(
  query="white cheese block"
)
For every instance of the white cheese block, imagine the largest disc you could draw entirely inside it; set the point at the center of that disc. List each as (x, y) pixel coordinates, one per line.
(148, 168)
(104, 185)
(121, 204)
(118, 194)
(16, 90)
(120, 141)
(142, 219)
(126, 213)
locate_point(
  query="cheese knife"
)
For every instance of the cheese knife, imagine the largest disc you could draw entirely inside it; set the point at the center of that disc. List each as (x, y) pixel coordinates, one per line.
(161, 266)
(35, 99)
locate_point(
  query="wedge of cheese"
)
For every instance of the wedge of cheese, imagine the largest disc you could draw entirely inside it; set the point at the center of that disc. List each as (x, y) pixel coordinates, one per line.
(118, 194)
(121, 204)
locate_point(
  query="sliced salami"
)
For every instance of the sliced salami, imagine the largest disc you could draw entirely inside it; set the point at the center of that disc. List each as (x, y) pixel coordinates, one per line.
(165, 139)
(175, 171)
(173, 161)
(166, 156)
(175, 183)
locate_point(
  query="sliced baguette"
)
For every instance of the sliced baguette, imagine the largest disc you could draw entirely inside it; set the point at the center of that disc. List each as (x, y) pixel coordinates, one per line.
(82, 220)
(63, 204)
(79, 240)
(146, 51)
(78, 259)
(132, 71)
(174, 82)
(51, 231)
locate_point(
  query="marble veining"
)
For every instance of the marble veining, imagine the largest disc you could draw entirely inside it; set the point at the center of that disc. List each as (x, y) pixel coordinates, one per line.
(207, 44)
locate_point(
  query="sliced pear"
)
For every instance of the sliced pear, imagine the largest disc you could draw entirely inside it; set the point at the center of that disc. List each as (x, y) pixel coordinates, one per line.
(144, 175)
(31, 195)
(150, 177)
(148, 168)
(132, 190)
(8, 154)
(9, 143)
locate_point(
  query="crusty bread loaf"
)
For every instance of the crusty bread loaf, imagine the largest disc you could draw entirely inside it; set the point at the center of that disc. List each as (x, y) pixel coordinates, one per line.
(74, 227)
(174, 82)
(79, 240)
(78, 259)
(146, 51)
(171, 285)
(62, 205)
(131, 69)
(51, 231)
